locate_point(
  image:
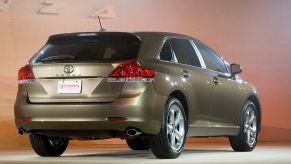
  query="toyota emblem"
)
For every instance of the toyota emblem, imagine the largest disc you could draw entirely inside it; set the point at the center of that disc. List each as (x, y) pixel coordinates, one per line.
(68, 69)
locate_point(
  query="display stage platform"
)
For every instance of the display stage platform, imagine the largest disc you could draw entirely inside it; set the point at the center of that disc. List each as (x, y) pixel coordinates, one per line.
(265, 153)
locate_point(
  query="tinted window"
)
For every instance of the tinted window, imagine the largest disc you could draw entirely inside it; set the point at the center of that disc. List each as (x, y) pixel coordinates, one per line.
(212, 61)
(166, 52)
(184, 52)
(82, 49)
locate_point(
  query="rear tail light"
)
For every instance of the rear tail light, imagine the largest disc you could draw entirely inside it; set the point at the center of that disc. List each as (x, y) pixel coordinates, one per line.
(25, 74)
(131, 71)
(24, 119)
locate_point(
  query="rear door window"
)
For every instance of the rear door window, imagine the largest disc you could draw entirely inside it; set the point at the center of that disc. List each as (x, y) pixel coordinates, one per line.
(211, 59)
(89, 49)
(185, 52)
(166, 52)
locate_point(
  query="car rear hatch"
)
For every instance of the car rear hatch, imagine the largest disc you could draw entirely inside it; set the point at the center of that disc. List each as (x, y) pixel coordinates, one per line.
(75, 67)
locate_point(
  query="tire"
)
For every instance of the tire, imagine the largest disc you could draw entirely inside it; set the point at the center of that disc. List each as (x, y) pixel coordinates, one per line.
(168, 144)
(246, 140)
(48, 146)
(137, 144)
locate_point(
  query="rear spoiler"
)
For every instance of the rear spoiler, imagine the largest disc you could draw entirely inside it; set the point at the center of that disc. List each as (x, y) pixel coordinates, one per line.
(91, 35)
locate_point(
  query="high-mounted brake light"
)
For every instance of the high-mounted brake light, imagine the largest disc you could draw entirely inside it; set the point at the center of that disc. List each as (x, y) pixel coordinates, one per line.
(25, 73)
(132, 71)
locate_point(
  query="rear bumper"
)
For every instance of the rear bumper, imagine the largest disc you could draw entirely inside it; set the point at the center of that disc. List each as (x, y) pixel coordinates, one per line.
(143, 112)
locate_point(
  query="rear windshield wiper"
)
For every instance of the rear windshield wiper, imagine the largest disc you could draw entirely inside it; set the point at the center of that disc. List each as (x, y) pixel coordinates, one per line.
(59, 58)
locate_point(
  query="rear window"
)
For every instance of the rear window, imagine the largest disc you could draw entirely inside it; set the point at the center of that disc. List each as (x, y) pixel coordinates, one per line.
(88, 49)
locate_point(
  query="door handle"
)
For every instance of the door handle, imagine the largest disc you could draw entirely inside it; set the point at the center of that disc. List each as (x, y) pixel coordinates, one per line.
(215, 80)
(185, 74)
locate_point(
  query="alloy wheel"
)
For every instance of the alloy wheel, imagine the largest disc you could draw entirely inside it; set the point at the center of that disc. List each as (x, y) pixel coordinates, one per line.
(175, 127)
(250, 126)
(56, 142)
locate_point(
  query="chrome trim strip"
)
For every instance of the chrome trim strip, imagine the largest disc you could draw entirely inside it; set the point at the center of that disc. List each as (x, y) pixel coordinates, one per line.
(202, 63)
(48, 100)
(174, 56)
(26, 81)
(181, 64)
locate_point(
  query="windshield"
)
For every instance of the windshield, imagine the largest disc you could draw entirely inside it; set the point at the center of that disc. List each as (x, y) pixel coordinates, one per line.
(88, 49)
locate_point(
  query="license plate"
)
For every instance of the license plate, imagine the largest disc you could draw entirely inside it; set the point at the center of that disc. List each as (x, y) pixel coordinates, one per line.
(69, 86)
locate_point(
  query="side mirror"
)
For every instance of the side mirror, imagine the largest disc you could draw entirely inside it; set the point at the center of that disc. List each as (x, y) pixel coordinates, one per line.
(235, 69)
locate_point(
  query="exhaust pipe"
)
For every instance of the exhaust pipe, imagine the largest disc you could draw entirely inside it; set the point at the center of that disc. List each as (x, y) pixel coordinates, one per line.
(20, 131)
(131, 133)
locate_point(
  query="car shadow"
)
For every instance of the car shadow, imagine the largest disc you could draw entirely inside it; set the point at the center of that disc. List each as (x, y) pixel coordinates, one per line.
(144, 153)
(117, 154)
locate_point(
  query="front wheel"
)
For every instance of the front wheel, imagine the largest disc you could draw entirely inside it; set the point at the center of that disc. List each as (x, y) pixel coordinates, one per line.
(246, 140)
(169, 143)
(48, 146)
